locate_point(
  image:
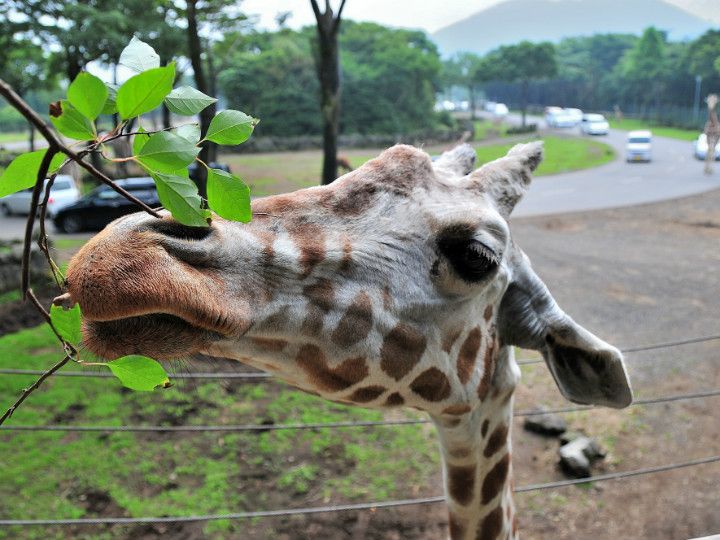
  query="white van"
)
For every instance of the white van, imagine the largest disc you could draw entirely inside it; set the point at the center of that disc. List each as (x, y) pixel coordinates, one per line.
(638, 146)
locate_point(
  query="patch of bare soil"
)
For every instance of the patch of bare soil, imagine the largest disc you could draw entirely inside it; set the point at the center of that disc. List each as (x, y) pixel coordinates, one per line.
(17, 315)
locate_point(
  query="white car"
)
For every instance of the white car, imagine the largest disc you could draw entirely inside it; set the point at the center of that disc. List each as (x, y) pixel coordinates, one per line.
(639, 146)
(574, 115)
(500, 110)
(701, 148)
(594, 124)
(560, 118)
(62, 193)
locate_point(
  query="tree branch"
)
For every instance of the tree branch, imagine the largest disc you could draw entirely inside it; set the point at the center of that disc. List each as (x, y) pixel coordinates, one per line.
(316, 10)
(337, 17)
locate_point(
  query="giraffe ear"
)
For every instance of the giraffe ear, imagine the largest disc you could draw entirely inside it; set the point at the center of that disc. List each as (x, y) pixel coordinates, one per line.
(457, 162)
(507, 179)
(586, 369)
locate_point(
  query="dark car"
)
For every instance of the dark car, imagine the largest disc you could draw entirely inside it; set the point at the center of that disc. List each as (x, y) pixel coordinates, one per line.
(193, 169)
(103, 205)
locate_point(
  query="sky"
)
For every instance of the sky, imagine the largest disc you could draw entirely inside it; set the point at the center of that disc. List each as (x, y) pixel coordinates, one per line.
(430, 15)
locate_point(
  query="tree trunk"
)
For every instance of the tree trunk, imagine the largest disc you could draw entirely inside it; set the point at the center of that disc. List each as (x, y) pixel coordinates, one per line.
(31, 138)
(206, 116)
(471, 95)
(524, 101)
(328, 66)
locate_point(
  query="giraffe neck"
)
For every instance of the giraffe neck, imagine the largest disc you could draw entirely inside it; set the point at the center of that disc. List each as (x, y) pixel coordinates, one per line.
(477, 470)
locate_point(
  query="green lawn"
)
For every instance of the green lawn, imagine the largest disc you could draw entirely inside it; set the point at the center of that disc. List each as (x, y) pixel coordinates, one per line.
(561, 154)
(485, 129)
(630, 124)
(13, 136)
(51, 474)
(281, 172)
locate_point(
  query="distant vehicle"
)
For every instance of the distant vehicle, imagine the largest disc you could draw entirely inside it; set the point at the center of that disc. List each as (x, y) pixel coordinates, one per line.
(62, 193)
(500, 109)
(639, 146)
(103, 205)
(490, 106)
(193, 168)
(444, 105)
(575, 115)
(594, 124)
(559, 118)
(701, 148)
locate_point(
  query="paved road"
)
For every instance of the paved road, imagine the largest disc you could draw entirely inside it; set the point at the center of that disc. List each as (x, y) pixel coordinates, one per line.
(673, 173)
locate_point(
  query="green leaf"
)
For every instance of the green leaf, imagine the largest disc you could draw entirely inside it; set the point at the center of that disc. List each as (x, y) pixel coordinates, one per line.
(145, 91)
(23, 170)
(110, 106)
(139, 56)
(228, 196)
(167, 152)
(87, 94)
(139, 141)
(72, 123)
(230, 127)
(187, 101)
(180, 196)
(191, 132)
(139, 372)
(67, 322)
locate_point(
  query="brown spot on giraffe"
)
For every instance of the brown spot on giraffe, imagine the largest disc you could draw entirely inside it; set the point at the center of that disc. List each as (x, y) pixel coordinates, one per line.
(366, 394)
(269, 344)
(450, 339)
(495, 479)
(468, 354)
(461, 483)
(346, 262)
(484, 427)
(355, 323)
(387, 298)
(496, 441)
(487, 315)
(431, 385)
(394, 400)
(457, 410)
(459, 452)
(357, 198)
(321, 296)
(310, 241)
(457, 527)
(312, 360)
(491, 525)
(489, 368)
(401, 350)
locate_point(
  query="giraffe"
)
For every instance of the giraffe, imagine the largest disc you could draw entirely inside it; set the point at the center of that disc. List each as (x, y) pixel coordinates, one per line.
(398, 285)
(712, 132)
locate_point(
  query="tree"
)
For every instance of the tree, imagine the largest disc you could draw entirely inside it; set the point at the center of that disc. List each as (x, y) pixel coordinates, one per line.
(703, 58)
(644, 67)
(206, 18)
(522, 63)
(328, 68)
(463, 70)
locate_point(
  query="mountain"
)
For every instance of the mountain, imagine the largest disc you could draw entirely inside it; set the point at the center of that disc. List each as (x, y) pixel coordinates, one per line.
(552, 20)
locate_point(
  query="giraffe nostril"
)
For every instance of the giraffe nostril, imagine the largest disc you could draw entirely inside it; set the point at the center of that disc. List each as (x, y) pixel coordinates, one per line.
(173, 229)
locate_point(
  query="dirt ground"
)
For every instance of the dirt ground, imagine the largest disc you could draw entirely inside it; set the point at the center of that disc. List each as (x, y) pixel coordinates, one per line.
(633, 276)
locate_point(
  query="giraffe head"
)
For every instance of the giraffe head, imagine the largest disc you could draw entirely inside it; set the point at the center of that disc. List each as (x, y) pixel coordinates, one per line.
(396, 285)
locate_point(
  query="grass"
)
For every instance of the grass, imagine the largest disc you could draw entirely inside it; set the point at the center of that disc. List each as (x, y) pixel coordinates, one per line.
(15, 136)
(50, 474)
(281, 172)
(631, 124)
(10, 296)
(485, 129)
(561, 154)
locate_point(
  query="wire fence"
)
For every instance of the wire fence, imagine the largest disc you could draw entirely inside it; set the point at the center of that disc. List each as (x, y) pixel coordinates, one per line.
(352, 507)
(341, 425)
(259, 376)
(334, 425)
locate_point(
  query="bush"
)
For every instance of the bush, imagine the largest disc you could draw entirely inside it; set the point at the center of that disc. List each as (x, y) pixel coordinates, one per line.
(519, 130)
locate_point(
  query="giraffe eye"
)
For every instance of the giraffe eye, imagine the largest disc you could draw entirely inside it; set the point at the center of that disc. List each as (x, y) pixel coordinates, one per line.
(472, 260)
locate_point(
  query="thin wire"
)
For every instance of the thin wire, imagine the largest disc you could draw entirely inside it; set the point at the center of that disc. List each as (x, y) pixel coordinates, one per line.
(334, 425)
(260, 376)
(655, 346)
(351, 507)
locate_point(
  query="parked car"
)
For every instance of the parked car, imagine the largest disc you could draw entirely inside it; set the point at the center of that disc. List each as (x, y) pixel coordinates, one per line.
(594, 124)
(574, 115)
(62, 193)
(103, 205)
(193, 168)
(561, 118)
(639, 146)
(701, 148)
